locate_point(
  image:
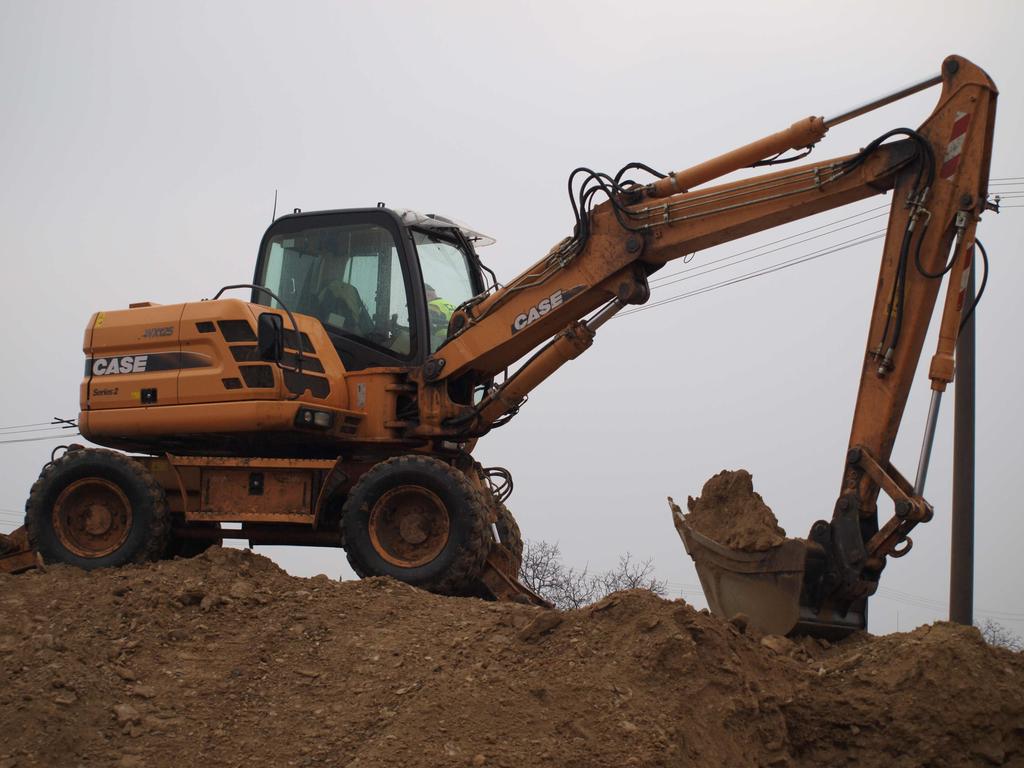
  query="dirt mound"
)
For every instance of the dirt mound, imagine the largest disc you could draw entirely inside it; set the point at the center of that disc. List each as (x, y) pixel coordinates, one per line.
(225, 660)
(729, 511)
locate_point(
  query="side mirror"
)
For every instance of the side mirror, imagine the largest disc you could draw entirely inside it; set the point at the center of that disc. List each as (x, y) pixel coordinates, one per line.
(270, 337)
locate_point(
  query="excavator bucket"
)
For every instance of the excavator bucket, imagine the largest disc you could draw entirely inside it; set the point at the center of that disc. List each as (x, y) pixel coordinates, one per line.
(764, 586)
(767, 587)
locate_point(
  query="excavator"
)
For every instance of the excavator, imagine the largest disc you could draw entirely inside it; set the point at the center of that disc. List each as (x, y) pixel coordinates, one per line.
(340, 404)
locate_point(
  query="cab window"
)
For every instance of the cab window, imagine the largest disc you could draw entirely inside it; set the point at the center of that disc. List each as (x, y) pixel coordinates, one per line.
(348, 277)
(447, 281)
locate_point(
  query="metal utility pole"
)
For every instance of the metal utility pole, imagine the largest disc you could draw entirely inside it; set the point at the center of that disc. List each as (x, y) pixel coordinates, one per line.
(961, 575)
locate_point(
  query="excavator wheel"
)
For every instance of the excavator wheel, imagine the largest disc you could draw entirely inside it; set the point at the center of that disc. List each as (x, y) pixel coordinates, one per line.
(508, 530)
(419, 520)
(96, 509)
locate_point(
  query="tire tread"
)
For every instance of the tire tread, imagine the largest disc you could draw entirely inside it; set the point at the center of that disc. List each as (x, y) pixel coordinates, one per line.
(155, 542)
(462, 577)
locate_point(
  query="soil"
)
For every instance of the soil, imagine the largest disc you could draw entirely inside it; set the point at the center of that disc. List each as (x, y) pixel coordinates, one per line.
(225, 660)
(730, 512)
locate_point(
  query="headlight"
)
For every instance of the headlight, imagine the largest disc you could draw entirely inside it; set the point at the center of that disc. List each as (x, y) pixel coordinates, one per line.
(309, 417)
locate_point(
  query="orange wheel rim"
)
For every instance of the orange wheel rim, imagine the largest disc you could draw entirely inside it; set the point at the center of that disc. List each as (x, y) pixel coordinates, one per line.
(92, 517)
(409, 526)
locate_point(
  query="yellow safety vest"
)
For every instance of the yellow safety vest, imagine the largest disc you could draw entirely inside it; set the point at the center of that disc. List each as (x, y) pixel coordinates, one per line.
(439, 313)
(443, 307)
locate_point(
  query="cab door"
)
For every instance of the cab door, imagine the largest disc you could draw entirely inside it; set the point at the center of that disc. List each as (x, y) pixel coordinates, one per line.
(351, 270)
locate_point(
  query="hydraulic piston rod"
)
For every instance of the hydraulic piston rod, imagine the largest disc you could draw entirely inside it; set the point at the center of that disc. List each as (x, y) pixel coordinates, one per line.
(902, 93)
(803, 133)
(926, 444)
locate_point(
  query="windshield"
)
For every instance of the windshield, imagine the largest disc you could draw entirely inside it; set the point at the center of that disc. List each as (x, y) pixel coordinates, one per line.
(447, 281)
(348, 277)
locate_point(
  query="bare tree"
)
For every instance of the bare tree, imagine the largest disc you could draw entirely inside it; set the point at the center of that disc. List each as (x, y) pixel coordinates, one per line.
(541, 569)
(998, 635)
(568, 588)
(577, 590)
(632, 574)
(544, 572)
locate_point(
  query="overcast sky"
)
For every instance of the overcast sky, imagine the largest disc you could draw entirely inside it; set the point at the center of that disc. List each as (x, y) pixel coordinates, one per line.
(141, 144)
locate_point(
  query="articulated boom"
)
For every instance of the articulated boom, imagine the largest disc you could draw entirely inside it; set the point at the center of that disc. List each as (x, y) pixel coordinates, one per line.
(938, 175)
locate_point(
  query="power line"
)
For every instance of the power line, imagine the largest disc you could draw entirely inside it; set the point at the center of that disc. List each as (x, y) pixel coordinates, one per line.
(919, 601)
(759, 255)
(34, 439)
(763, 271)
(780, 240)
(909, 596)
(702, 269)
(24, 426)
(878, 234)
(1009, 194)
(48, 428)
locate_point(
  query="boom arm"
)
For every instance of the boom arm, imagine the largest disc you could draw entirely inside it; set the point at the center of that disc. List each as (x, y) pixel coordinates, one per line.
(939, 177)
(614, 261)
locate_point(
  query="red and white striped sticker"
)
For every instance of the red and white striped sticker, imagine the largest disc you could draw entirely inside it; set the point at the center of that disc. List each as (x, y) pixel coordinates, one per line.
(968, 258)
(951, 160)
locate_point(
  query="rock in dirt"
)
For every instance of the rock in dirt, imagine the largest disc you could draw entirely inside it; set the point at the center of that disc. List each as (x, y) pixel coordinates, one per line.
(544, 623)
(241, 589)
(740, 621)
(778, 644)
(124, 673)
(730, 512)
(126, 713)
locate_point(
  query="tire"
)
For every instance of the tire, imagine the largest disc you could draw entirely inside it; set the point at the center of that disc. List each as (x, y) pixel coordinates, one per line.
(511, 537)
(419, 520)
(190, 547)
(95, 508)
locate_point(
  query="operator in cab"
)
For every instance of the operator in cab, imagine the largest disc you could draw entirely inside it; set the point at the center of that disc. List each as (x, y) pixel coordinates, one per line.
(439, 313)
(338, 302)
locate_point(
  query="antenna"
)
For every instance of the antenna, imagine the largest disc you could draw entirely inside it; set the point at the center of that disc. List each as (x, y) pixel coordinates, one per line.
(273, 216)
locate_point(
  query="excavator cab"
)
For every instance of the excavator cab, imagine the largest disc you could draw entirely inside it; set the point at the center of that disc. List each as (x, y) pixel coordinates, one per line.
(363, 274)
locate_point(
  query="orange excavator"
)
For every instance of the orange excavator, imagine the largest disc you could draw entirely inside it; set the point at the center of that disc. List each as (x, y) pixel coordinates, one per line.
(339, 406)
